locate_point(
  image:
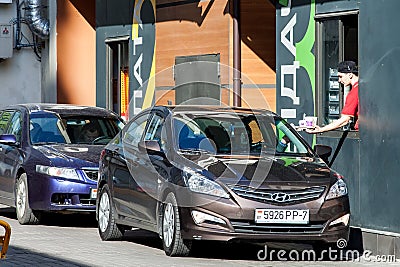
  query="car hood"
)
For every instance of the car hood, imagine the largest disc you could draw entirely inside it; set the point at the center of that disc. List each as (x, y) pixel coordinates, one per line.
(74, 155)
(265, 169)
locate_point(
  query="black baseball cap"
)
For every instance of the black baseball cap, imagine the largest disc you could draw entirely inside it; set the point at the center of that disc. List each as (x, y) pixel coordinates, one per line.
(347, 67)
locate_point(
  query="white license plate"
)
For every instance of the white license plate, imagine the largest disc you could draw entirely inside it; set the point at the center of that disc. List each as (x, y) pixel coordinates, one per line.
(93, 193)
(282, 216)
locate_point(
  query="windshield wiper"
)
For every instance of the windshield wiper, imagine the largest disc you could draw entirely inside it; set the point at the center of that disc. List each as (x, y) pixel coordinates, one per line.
(45, 143)
(194, 150)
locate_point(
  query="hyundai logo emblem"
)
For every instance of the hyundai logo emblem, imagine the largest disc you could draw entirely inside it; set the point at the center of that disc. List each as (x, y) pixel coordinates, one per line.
(280, 197)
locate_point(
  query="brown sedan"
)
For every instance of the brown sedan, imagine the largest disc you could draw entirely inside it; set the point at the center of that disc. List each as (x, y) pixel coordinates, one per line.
(213, 173)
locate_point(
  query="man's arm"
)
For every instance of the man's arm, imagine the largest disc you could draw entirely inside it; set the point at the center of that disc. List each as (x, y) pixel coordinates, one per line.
(342, 121)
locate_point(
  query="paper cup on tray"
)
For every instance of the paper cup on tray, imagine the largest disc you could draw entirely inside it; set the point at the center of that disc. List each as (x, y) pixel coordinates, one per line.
(310, 121)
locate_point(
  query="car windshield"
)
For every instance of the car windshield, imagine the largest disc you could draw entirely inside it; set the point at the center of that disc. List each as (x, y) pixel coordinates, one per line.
(48, 127)
(237, 133)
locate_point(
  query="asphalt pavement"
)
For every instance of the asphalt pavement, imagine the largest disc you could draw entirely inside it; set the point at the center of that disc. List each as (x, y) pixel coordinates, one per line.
(73, 240)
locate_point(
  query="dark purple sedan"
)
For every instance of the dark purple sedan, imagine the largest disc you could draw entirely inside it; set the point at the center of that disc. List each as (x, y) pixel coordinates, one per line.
(49, 157)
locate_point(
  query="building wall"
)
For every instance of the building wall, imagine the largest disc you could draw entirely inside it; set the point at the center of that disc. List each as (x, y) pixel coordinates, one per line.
(258, 53)
(66, 72)
(20, 75)
(379, 125)
(379, 107)
(206, 28)
(185, 29)
(113, 20)
(76, 52)
(369, 161)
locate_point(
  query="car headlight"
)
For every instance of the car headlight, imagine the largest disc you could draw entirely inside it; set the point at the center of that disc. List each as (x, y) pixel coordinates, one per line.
(68, 173)
(200, 184)
(337, 190)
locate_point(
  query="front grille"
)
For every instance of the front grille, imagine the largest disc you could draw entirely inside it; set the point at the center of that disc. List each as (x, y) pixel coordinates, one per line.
(253, 228)
(278, 196)
(91, 174)
(72, 199)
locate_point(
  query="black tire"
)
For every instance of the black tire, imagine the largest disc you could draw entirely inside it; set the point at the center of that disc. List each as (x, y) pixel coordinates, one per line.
(25, 214)
(173, 243)
(108, 229)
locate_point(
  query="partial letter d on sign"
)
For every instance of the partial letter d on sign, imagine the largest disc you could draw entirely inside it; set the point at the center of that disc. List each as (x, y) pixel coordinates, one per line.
(287, 91)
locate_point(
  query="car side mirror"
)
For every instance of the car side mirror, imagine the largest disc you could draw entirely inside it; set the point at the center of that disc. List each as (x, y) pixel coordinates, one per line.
(151, 145)
(8, 139)
(323, 151)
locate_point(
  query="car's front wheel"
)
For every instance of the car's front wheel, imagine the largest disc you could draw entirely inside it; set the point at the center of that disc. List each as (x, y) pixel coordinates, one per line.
(173, 243)
(25, 214)
(108, 229)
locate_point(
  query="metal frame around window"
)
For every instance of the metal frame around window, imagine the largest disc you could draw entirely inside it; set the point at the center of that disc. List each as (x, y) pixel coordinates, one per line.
(319, 71)
(109, 71)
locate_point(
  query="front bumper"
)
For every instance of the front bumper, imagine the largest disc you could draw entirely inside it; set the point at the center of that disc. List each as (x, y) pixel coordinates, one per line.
(239, 223)
(57, 194)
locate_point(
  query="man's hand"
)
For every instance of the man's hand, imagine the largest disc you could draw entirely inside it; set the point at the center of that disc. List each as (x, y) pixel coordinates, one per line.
(343, 120)
(315, 130)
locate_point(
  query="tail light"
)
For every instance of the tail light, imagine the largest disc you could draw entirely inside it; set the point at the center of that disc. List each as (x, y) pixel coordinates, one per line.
(102, 154)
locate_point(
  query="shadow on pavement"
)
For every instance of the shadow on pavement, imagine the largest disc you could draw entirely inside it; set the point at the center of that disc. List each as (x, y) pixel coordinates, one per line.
(226, 251)
(254, 251)
(70, 220)
(17, 256)
(201, 249)
(143, 237)
(8, 212)
(271, 251)
(83, 220)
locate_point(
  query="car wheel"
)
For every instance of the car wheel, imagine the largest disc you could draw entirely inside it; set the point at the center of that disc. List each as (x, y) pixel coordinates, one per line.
(108, 229)
(25, 214)
(173, 243)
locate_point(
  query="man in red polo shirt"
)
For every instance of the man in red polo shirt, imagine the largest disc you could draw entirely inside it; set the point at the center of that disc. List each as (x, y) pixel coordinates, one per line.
(347, 71)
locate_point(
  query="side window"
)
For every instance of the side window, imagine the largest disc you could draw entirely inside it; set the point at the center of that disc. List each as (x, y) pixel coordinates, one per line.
(292, 143)
(135, 130)
(5, 118)
(155, 129)
(15, 126)
(255, 132)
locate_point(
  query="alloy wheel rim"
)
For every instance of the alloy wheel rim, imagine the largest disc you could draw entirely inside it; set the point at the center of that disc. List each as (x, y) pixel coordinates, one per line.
(104, 212)
(168, 224)
(21, 199)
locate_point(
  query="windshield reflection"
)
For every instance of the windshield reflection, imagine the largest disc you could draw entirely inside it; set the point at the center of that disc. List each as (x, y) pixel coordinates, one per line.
(236, 134)
(48, 128)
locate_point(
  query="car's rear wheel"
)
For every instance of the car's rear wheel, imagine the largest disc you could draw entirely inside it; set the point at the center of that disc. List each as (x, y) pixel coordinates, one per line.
(173, 243)
(108, 229)
(25, 214)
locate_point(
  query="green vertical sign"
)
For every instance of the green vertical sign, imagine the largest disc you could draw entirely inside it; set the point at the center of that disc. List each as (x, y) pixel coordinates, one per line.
(284, 2)
(295, 60)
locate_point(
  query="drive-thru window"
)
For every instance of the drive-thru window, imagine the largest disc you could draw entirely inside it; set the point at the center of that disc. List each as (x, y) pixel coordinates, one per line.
(117, 90)
(337, 40)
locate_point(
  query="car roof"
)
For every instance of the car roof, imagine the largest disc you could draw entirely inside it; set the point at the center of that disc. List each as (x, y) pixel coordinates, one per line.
(217, 109)
(66, 109)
